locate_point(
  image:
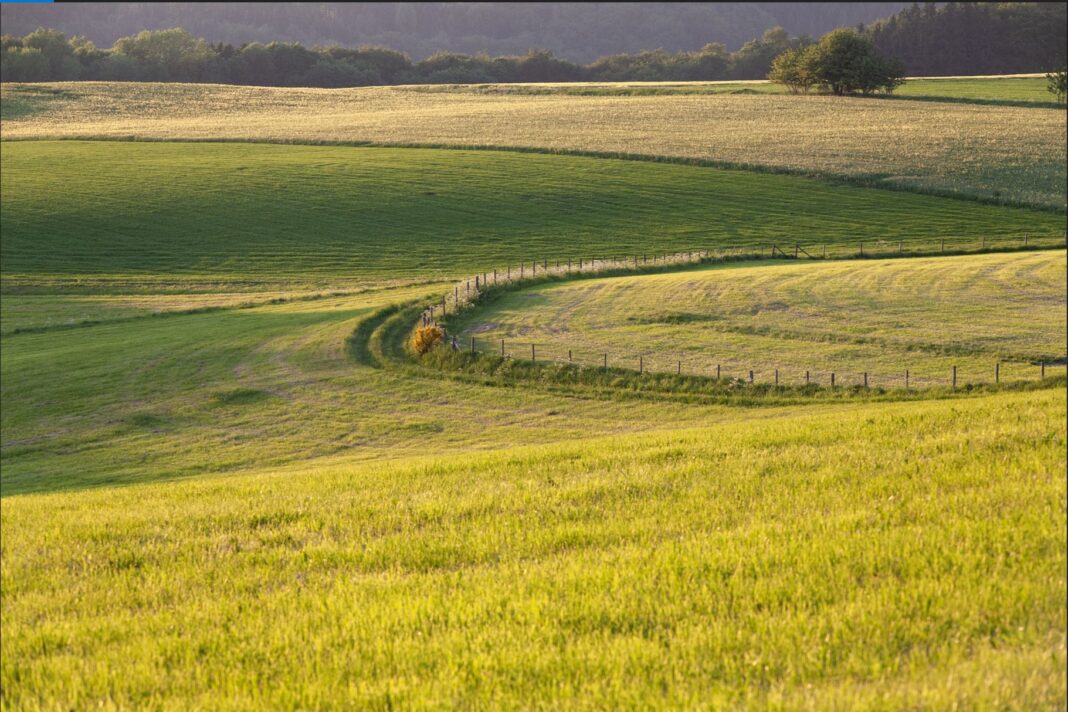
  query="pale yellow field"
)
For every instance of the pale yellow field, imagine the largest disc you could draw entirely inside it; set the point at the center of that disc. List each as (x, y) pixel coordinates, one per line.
(927, 315)
(986, 151)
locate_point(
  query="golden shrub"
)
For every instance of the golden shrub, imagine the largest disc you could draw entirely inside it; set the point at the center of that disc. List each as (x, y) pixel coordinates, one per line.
(426, 338)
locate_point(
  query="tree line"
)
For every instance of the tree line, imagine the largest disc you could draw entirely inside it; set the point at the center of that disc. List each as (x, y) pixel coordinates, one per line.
(174, 55)
(577, 31)
(959, 38)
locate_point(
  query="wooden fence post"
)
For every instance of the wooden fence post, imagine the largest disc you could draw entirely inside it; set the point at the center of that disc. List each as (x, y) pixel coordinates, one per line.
(943, 248)
(476, 282)
(832, 379)
(606, 362)
(1042, 366)
(862, 249)
(865, 379)
(906, 379)
(641, 365)
(569, 355)
(502, 348)
(776, 377)
(456, 294)
(806, 378)
(678, 371)
(997, 372)
(533, 268)
(750, 376)
(954, 376)
(717, 371)
(472, 344)
(532, 356)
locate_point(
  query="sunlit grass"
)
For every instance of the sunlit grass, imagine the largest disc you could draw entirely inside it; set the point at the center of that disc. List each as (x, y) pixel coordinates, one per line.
(884, 556)
(989, 152)
(219, 392)
(881, 317)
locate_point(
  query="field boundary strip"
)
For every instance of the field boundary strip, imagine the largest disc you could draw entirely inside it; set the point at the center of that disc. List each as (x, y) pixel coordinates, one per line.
(473, 292)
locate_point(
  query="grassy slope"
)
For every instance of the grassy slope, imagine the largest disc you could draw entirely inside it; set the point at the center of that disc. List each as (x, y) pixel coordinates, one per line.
(245, 214)
(890, 556)
(794, 556)
(219, 392)
(881, 316)
(933, 146)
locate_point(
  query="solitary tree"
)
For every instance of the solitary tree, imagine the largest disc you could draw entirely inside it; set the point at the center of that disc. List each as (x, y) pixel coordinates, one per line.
(842, 62)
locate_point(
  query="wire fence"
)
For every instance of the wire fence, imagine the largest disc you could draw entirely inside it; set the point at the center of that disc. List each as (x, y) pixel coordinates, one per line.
(468, 291)
(736, 369)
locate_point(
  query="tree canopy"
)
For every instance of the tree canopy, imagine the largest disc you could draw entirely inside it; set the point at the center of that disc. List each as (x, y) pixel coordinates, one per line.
(842, 62)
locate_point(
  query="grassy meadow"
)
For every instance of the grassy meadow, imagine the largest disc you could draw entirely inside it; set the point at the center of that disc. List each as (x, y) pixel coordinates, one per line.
(890, 556)
(225, 391)
(225, 485)
(880, 316)
(940, 147)
(252, 216)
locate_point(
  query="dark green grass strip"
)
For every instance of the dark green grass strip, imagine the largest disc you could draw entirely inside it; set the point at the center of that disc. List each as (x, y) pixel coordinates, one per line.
(271, 210)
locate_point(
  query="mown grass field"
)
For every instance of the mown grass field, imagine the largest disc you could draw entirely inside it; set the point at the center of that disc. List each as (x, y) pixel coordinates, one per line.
(890, 556)
(292, 216)
(880, 316)
(951, 148)
(223, 485)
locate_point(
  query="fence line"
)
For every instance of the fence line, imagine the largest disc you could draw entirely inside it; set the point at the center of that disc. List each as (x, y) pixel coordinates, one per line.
(661, 363)
(467, 291)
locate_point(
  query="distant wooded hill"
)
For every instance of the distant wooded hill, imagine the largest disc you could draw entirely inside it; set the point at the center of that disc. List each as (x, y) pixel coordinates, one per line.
(975, 38)
(957, 38)
(580, 32)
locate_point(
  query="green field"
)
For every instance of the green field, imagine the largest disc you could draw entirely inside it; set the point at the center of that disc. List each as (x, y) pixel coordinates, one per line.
(880, 317)
(225, 484)
(806, 562)
(1006, 91)
(250, 215)
(927, 146)
(1024, 90)
(232, 390)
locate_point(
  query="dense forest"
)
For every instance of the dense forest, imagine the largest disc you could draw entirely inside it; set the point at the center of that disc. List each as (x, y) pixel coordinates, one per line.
(579, 32)
(974, 38)
(956, 38)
